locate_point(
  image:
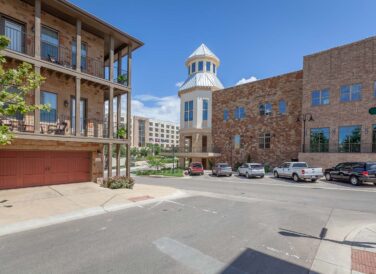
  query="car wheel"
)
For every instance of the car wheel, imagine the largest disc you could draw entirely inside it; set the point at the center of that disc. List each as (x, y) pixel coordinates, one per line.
(262, 176)
(354, 181)
(313, 180)
(230, 175)
(295, 177)
(247, 175)
(276, 175)
(328, 177)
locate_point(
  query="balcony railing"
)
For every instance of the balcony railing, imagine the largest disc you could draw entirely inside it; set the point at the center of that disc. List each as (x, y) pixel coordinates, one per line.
(20, 41)
(341, 148)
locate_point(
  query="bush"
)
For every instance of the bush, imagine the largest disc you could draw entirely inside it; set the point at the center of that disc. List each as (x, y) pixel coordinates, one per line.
(119, 182)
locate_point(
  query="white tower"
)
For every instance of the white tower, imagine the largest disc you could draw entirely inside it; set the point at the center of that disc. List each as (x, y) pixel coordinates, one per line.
(196, 106)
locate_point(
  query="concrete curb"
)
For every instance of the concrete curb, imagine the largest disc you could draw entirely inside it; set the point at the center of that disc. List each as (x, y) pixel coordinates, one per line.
(80, 214)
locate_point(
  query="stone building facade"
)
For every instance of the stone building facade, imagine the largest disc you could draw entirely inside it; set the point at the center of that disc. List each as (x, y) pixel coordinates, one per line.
(257, 121)
(338, 91)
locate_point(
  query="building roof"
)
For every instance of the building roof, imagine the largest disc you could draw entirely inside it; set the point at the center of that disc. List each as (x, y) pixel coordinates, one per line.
(203, 51)
(202, 79)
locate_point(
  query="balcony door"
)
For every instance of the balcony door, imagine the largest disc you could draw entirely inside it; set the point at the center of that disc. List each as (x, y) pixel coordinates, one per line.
(15, 32)
(83, 120)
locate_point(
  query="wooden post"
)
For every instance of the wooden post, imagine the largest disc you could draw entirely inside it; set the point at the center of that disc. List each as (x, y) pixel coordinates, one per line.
(37, 28)
(129, 72)
(78, 45)
(77, 112)
(111, 59)
(37, 102)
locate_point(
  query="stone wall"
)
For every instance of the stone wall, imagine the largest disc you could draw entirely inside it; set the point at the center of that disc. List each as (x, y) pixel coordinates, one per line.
(285, 131)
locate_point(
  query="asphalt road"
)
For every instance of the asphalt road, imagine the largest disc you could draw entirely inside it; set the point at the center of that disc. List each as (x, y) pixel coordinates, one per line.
(224, 225)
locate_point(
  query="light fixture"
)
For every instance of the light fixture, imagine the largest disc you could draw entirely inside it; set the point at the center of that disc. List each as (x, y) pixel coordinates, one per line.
(66, 103)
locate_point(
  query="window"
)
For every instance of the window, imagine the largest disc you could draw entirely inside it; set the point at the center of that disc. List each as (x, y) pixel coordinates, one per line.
(349, 139)
(150, 129)
(141, 133)
(50, 99)
(49, 44)
(214, 68)
(193, 70)
(282, 107)
(83, 55)
(239, 113)
(264, 140)
(200, 65)
(319, 140)
(205, 108)
(265, 109)
(225, 115)
(351, 93)
(237, 142)
(15, 33)
(188, 111)
(17, 115)
(208, 65)
(83, 112)
(300, 165)
(150, 134)
(373, 138)
(320, 97)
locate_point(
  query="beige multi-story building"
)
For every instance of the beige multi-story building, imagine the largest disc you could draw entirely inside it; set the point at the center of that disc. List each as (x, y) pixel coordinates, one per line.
(65, 144)
(152, 131)
(196, 107)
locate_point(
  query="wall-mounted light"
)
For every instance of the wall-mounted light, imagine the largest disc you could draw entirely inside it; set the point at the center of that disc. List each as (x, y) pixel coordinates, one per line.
(66, 103)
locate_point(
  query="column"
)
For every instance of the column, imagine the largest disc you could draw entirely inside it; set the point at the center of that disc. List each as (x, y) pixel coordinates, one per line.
(111, 113)
(119, 62)
(129, 64)
(78, 45)
(77, 112)
(37, 102)
(37, 28)
(128, 164)
(109, 157)
(118, 121)
(111, 59)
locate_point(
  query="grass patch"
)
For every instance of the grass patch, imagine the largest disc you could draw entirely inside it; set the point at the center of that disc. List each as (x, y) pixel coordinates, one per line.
(178, 172)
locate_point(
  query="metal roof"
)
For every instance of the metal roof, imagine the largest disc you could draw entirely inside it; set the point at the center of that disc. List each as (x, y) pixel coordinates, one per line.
(203, 51)
(202, 79)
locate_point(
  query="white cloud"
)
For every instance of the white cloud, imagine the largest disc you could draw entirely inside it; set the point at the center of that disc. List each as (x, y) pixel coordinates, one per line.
(163, 108)
(179, 84)
(246, 80)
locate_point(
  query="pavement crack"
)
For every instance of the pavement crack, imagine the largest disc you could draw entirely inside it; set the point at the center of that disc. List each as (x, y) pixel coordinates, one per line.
(56, 191)
(109, 199)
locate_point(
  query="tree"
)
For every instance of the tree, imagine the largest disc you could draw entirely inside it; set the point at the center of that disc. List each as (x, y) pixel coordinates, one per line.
(15, 84)
(134, 151)
(144, 151)
(155, 162)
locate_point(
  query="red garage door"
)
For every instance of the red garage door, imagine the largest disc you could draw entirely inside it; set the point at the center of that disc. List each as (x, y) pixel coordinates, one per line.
(37, 168)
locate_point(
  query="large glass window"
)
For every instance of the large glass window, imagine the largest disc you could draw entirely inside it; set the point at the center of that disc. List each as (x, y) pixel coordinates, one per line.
(225, 115)
(239, 113)
(188, 111)
(264, 140)
(50, 44)
(237, 142)
(349, 138)
(205, 109)
(282, 107)
(48, 98)
(200, 66)
(351, 93)
(265, 109)
(193, 68)
(141, 133)
(208, 65)
(319, 139)
(320, 97)
(83, 55)
(82, 114)
(15, 33)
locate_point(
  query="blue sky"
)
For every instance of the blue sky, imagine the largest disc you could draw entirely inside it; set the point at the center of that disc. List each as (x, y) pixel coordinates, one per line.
(252, 38)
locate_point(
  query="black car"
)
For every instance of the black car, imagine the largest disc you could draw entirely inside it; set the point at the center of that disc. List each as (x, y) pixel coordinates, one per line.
(353, 172)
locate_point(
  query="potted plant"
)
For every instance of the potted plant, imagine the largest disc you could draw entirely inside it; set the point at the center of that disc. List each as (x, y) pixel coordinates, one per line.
(121, 133)
(122, 79)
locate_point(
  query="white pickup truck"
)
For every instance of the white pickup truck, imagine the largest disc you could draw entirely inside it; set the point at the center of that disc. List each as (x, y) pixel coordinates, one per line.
(298, 171)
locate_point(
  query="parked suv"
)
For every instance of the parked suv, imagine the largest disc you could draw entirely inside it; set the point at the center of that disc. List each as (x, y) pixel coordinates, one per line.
(222, 169)
(196, 169)
(353, 172)
(251, 170)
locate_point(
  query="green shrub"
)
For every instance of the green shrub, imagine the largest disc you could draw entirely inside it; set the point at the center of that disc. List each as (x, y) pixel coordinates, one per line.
(119, 182)
(267, 168)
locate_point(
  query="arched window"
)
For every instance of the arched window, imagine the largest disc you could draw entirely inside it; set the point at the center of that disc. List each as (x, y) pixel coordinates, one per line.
(282, 107)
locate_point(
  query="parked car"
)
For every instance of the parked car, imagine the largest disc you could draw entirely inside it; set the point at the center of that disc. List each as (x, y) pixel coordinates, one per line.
(196, 169)
(222, 169)
(298, 171)
(251, 170)
(354, 172)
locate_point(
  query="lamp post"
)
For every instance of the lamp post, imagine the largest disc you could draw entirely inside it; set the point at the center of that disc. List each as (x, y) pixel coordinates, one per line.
(305, 117)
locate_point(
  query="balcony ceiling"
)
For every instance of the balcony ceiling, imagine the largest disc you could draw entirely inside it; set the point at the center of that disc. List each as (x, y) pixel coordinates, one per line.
(70, 13)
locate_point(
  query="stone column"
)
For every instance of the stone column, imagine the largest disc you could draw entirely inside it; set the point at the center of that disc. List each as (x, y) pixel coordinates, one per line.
(37, 28)
(78, 45)
(77, 112)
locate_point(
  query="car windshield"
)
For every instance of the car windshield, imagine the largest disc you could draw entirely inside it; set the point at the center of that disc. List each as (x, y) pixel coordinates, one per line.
(300, 165)
(197, 165)
(371, 166)
(256, 166)
(224, 165)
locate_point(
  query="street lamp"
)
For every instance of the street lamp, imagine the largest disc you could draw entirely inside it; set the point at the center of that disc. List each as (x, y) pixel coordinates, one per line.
(305, 117)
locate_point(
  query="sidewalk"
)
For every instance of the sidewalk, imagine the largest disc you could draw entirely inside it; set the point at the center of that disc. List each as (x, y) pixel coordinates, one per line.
(29, 208)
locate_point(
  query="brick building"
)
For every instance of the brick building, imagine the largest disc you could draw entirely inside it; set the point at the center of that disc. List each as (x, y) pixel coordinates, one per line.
(65, 144)
(257, 121)
(338, 91)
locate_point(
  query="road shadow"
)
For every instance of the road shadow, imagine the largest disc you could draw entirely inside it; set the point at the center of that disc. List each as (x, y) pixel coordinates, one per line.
(291, 233)
(253, 261)
(291, 181)
(348, 185)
